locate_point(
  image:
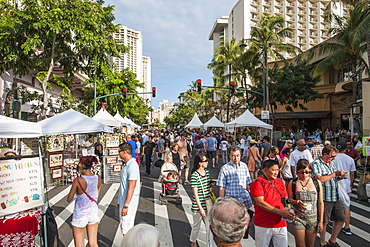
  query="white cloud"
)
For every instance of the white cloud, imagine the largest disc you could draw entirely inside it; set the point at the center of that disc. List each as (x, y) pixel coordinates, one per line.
(175, 36)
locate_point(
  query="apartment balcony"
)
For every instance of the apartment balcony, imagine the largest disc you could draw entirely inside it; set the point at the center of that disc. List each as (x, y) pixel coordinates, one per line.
(301, 34)
(254, 10)
(255, 3)
(266, 3)
(313, 27)
(302, 20)
(301, 13)
(312, 5)
(302, 27)
(301, 5)
(278, 3)
(290, 13)
(313, 34)
(313, 20)
(289, 4)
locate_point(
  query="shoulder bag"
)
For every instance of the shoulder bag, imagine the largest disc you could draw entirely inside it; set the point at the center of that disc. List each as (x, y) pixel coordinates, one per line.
(258, 162)
(92, 199)
(209, 202)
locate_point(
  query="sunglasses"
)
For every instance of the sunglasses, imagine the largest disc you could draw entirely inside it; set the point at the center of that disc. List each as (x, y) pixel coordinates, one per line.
(333, 156)
(304, 172)
(205, 160)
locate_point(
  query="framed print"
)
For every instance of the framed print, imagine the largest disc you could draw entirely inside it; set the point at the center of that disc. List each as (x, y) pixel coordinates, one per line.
(117, 168)
(111, 160)
(113, 151)
(55, 160)
(55, 144)
(56, 173)
(112, 141)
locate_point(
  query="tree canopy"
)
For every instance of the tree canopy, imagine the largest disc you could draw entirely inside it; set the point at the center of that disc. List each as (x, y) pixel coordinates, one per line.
(73, 35)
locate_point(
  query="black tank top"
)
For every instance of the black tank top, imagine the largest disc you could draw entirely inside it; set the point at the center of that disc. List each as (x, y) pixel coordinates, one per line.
(176, 159)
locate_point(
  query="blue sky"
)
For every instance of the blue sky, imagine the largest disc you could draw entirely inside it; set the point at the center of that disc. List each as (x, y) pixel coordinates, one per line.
(175, 37)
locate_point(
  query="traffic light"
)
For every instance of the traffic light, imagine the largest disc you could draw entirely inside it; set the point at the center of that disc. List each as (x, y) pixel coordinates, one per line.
(154, 89)
(232, 87)
(199, 85)
(124, 92)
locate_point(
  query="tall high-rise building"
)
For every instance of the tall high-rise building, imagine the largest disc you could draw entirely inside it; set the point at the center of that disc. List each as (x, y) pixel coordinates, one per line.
(306, 18)
(134, 59)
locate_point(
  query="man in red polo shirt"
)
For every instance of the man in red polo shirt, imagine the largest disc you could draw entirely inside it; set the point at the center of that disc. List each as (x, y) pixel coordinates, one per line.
(268, 192)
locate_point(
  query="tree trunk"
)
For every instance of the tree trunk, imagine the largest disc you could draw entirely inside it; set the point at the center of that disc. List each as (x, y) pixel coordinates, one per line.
(45, 81)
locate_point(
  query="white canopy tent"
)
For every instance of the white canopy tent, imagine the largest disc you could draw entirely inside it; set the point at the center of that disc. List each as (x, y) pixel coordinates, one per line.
(72, 122)
(121, 119)
(134, 125)
(247, 119)
(14, 128)
(104, 117)
(214, 122)
(194, 123)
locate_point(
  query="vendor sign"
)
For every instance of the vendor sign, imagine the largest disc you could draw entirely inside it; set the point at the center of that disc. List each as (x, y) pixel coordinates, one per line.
(366, 146)
(20, 185)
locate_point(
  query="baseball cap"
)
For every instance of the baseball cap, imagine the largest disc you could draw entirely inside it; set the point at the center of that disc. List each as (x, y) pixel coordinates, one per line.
(341, 146)
(327, 143)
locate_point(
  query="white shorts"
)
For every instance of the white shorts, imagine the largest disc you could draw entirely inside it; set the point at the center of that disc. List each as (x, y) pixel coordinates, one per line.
(263, 235)
(83, 222)
(127, 222)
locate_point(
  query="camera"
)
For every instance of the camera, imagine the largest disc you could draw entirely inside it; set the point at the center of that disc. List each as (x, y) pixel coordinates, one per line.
(285, 200)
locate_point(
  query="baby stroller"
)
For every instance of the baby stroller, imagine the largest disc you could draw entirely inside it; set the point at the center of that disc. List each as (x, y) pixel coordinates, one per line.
(170, 183)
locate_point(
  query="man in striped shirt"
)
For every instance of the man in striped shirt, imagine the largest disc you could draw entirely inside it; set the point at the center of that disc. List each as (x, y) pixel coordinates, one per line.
(325, 171)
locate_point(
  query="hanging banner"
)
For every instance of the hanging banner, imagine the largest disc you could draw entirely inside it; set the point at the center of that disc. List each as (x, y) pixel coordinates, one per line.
(20, 185)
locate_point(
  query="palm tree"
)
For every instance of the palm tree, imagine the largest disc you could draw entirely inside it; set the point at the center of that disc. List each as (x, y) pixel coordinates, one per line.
(267, 40)
(222, 64)
(347, 45)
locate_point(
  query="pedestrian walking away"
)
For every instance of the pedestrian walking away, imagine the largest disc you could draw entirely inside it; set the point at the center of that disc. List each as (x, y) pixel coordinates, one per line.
(85, 213)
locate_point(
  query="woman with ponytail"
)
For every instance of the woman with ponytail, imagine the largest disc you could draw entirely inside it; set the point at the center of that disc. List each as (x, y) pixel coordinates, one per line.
(85, 214)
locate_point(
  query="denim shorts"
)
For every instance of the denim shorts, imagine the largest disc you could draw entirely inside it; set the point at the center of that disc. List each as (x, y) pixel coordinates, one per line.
(84, 221)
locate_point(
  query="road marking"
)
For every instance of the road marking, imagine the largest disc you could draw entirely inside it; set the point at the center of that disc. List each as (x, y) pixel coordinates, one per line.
(161, 218)
(59, 196)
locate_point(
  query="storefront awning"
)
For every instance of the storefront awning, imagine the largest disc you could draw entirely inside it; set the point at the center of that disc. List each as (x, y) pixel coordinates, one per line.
(305, 114)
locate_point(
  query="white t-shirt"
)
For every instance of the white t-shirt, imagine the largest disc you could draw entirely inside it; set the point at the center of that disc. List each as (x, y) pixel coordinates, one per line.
(286, 168)
(224, 145)
(347, 164)
(297, 155)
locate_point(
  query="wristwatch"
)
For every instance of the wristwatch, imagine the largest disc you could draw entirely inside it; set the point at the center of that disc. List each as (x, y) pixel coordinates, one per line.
(124, 207)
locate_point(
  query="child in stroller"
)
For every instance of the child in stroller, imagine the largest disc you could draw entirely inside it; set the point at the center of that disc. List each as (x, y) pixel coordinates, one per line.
(169, 184)
(170, 181)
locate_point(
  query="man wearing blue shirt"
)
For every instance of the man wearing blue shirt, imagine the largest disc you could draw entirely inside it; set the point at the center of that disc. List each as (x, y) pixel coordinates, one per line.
(211, 144)
(133, 145)
(129, 191)
(234, 179)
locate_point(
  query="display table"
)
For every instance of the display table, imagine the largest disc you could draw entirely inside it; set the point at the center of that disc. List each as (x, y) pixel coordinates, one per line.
(21, 229)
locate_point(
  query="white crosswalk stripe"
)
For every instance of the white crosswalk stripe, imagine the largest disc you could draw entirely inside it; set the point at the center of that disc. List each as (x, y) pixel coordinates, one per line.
(162, 220)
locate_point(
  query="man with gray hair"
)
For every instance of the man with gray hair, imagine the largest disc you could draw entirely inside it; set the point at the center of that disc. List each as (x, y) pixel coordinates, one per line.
(228, 220)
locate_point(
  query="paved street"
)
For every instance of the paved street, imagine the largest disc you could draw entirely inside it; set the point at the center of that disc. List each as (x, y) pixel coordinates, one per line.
(173, 220)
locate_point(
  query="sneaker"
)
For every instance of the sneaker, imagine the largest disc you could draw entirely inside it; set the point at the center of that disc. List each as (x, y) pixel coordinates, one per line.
(330, 244)
(347, 231)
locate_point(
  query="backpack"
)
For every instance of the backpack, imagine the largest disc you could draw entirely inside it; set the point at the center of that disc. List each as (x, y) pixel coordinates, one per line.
(199, 144)
(294, 185)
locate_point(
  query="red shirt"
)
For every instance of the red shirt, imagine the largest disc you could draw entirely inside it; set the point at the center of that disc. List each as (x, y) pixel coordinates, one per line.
(352, 153)
(262, 187)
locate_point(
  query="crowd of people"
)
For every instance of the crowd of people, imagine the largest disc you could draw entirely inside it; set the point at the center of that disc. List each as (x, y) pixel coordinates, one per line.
(305, 184)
